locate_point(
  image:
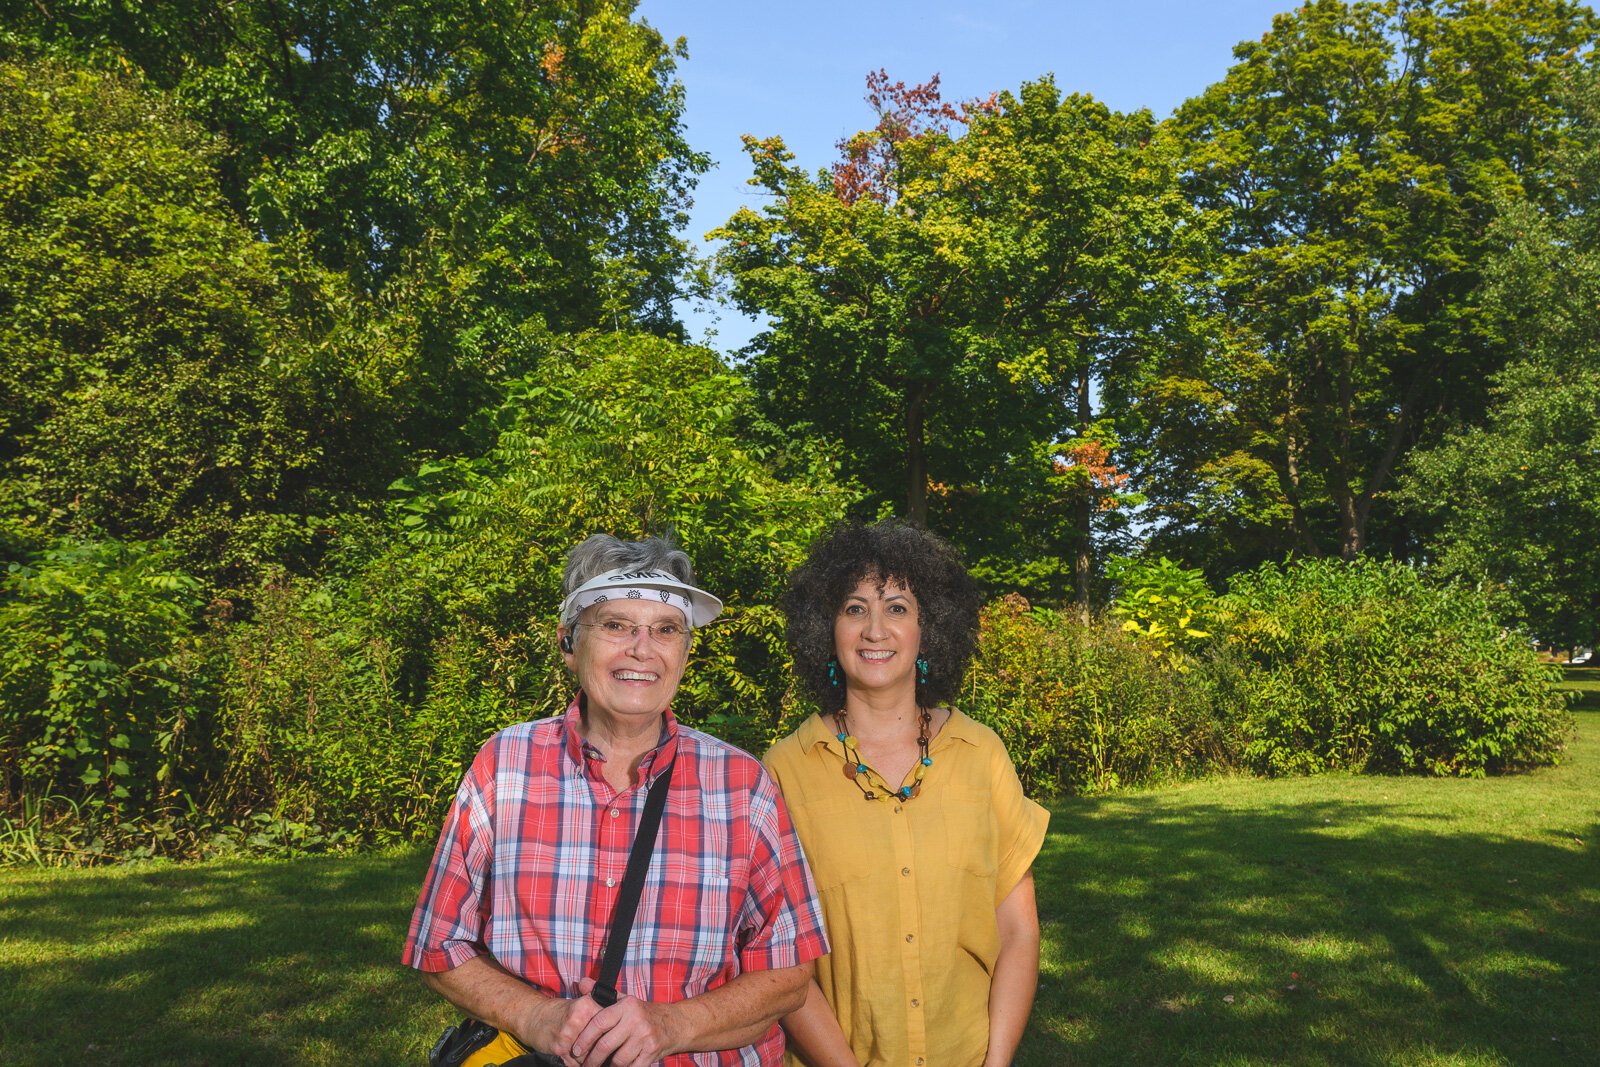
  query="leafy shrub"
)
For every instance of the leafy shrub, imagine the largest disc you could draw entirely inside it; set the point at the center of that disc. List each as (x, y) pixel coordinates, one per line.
(1085, 707)
(356, 703)
(1164, 604)
(1367, 666)
(318, 728)
(101, 683)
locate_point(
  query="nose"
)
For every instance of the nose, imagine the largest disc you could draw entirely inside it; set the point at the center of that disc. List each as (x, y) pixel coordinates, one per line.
(638, 641)
(874, 628)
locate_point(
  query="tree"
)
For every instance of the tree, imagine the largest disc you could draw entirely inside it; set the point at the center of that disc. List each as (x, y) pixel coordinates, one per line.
(488, 171)
(867, 273)
(1353, 158)
(940, 303)
(1090, 238)
(159, 383)
(1517, 500)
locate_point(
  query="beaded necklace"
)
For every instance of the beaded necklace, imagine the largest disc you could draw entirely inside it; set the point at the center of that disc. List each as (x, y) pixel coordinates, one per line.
(865, 777)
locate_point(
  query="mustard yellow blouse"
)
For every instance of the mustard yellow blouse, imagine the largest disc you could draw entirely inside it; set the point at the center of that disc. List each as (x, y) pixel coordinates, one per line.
(909, 889)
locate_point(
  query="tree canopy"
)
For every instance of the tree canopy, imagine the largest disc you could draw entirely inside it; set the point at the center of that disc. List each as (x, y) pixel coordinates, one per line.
(1354, 158)
(941, 301)
(489, 173)
(1516, 499)
(159, 382)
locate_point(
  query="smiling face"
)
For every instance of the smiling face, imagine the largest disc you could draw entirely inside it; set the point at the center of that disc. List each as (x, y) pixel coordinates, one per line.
(877, 636)
(629, 657)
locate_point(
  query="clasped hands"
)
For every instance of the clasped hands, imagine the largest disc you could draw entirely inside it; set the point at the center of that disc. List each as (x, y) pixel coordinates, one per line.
(630, 1033)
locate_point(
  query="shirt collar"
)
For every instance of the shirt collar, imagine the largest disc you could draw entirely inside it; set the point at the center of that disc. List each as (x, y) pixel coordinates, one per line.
(577, 748)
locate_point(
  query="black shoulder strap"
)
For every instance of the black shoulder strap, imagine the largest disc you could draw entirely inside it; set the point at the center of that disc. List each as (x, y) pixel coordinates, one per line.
(644, 843)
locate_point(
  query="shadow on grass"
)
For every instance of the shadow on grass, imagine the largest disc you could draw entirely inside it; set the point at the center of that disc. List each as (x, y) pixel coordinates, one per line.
(1335, 932)
(244, 963)
(1459, 924)
(1584, 684)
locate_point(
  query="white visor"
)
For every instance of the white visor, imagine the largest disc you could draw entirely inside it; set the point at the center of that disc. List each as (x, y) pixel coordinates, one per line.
(698, 606)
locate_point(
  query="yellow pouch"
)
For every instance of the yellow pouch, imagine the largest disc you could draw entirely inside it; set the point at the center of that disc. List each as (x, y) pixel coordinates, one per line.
(504, 1047)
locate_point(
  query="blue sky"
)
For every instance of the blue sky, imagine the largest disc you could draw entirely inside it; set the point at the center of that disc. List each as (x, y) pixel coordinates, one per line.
(799, 72)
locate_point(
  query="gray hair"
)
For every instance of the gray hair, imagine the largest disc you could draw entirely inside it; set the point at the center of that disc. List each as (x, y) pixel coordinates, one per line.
(599, 553)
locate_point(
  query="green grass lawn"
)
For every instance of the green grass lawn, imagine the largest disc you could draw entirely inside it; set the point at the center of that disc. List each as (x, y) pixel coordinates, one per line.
(1332, 920)
(1584, 682)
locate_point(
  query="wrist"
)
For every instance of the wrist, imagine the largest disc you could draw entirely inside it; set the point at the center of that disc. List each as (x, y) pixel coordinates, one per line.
(676, 1023)
(540, 1023)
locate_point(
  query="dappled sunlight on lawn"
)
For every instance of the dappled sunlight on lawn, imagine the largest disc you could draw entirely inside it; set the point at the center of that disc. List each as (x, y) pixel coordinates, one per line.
(245, 961)
(1329, 920)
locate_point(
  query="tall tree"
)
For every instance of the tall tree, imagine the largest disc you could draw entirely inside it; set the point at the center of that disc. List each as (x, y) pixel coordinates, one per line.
(158, 381)
(1517, 500)
(1090, 256)
(941, 303)
(1353, 158)
(490, 170)
(868, 273)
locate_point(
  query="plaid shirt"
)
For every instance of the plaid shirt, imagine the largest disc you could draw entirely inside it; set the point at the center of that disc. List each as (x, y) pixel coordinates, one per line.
(531, 860)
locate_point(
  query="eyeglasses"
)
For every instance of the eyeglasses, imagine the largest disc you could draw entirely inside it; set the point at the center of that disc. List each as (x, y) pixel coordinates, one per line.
(619, 632)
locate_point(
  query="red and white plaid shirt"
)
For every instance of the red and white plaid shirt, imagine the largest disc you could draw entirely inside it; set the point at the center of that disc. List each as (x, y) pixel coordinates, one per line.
(532, 854)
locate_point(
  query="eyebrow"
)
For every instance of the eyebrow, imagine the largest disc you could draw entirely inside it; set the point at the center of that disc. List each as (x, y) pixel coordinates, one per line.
(658, 620)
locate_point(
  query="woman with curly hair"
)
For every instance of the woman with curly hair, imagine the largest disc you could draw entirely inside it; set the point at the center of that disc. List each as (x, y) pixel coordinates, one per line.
(917, 830)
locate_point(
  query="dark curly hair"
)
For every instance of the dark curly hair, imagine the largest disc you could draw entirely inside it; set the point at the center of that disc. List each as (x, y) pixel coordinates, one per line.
(947, 604)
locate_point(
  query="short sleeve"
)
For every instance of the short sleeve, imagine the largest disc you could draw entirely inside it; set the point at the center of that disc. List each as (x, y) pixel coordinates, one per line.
(1021, 823)
(781, 923)
(447, 927)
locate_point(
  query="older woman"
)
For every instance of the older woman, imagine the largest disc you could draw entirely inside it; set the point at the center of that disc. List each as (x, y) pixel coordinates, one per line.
(911, 815)
(516, 908)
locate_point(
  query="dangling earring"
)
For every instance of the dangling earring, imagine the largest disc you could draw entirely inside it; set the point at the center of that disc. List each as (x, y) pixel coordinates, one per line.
(833, 673)
(922, 671)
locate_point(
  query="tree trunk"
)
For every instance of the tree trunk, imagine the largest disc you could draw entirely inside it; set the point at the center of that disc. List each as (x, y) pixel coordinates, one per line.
(1352, 525)
(916, 459)
(1083, 512)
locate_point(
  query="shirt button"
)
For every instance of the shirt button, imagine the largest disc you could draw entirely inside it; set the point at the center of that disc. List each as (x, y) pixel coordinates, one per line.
(615, 813)
(906, 871)
(916, 1003)
(919, 1061)
(910, 938)
(610, 882)
(897, 809)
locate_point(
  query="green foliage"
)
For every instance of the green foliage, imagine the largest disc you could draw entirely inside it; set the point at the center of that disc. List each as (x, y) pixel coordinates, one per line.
(1366, 666)
(1083, 707)
(101, 679)
(1164, 604)
(319, 735)
(1517, 499)
(356, 703)
(941, 313)
(1352, 161)
(160, 382)
(529, 153)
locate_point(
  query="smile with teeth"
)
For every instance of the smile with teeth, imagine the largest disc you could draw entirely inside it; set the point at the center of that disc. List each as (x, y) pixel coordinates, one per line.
(634, 676)
(875, 655)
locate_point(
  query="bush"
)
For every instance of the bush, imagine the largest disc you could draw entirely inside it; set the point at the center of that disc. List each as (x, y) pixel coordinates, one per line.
(101, 681)
(1085, 707)
(1167, 606)
(1366, 666)
(356, 703)
(318, 729)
